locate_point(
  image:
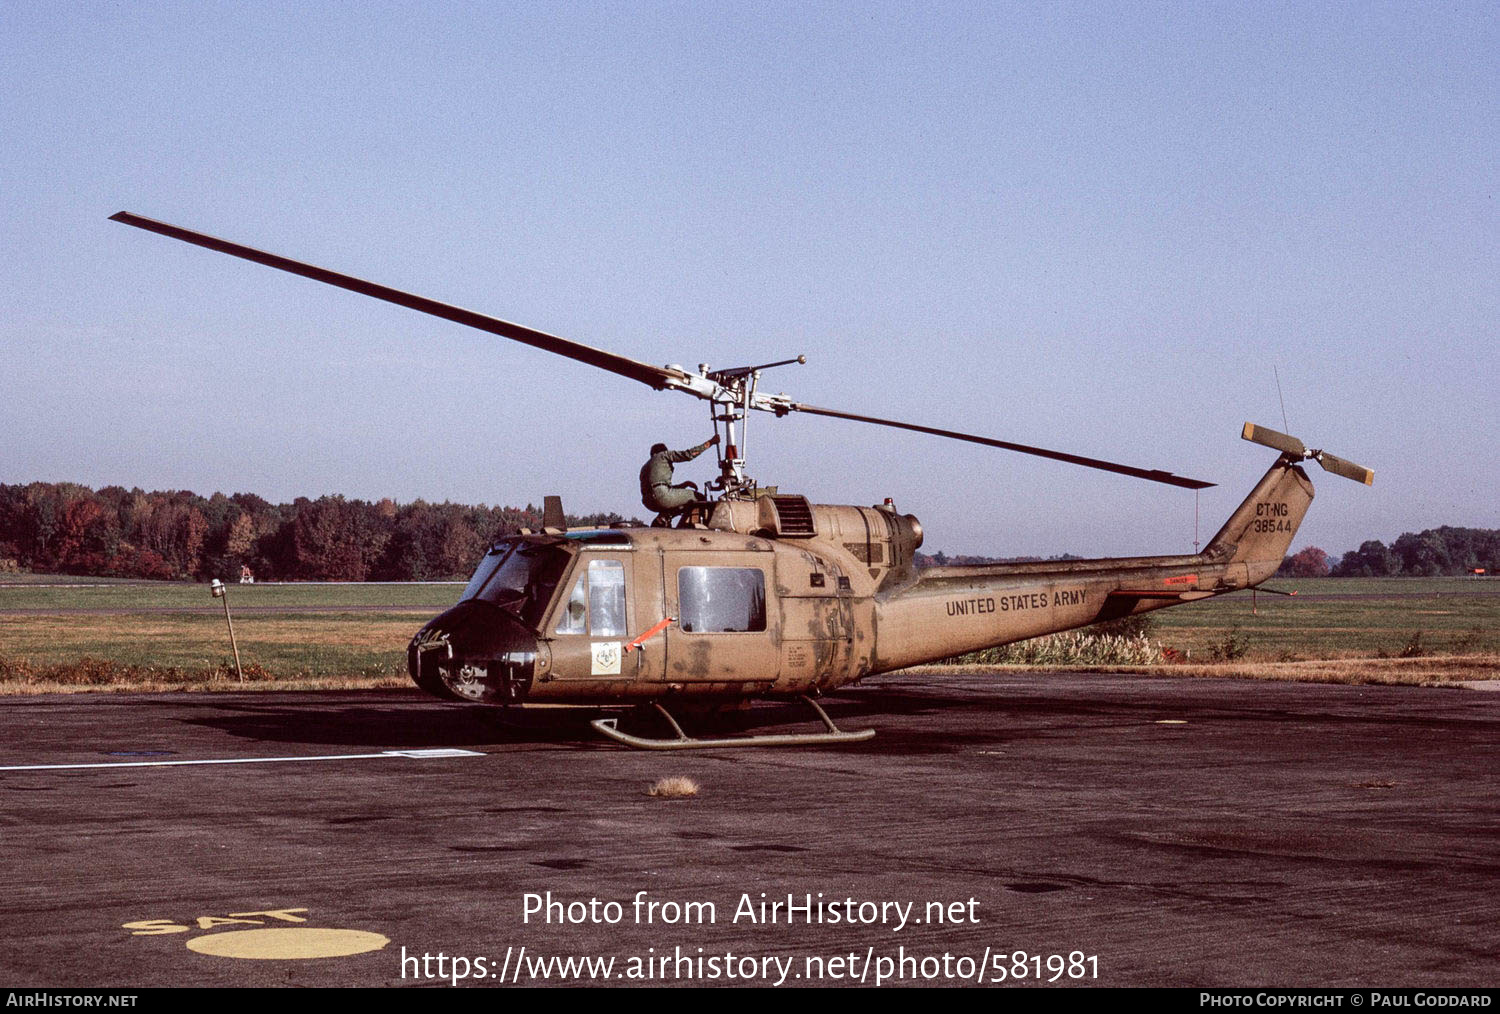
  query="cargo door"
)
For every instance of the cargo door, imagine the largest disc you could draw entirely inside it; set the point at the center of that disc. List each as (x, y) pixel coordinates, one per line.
(726, 617)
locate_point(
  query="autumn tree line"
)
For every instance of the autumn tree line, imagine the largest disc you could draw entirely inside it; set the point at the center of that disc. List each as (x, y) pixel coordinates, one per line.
(117, 532)
(1436, 552)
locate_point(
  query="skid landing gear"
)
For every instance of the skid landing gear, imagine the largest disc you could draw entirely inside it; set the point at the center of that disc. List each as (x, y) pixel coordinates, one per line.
(610, 728)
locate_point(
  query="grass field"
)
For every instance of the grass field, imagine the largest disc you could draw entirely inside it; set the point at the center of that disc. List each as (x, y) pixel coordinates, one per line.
(62, 632)
(67, 633)
(1342, 618)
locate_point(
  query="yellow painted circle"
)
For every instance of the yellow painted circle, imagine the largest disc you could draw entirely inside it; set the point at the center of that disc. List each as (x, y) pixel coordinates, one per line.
(287, 942)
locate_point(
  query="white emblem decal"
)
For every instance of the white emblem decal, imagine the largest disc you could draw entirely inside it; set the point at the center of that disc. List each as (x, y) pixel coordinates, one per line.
(606, 658)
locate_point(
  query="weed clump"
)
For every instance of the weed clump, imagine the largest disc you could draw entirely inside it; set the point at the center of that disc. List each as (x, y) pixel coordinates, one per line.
(1231, 646)
(1135, 625)
(1075, 648)
(675, 787)
(1468, 644)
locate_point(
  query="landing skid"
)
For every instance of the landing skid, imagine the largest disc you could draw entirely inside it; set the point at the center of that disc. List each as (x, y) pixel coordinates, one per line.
(610, 728)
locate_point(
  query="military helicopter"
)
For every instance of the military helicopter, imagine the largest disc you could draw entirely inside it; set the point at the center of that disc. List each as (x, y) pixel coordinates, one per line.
(760, 594)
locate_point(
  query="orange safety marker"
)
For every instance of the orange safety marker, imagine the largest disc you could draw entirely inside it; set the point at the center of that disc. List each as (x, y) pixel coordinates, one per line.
(649, 634)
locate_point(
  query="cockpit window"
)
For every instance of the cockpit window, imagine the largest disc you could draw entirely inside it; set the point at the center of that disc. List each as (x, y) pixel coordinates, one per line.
(519, 577)
(575, 617)
(485, 570)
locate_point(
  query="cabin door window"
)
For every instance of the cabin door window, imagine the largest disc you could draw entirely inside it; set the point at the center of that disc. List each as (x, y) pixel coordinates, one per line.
(721, 600)
(596, 605)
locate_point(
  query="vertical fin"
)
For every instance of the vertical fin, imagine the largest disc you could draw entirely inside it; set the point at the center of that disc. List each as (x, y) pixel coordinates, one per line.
(1261, 529)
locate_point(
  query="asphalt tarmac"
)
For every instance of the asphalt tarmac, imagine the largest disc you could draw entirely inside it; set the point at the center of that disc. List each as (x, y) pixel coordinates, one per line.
(1118, 830)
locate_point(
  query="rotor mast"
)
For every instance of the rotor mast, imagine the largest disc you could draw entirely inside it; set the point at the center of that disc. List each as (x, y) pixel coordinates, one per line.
(732, 397)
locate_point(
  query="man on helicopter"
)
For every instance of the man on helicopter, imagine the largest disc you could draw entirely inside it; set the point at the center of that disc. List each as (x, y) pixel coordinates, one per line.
(657, 492)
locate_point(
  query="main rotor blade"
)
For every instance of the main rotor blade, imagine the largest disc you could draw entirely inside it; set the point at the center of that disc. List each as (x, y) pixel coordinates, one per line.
(1153, 474)
(653, 376)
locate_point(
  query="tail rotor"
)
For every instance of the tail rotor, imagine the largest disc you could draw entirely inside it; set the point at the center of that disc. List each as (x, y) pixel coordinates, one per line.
(1295, 448)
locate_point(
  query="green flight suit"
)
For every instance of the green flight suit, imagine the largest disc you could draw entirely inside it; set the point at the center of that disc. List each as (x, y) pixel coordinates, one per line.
(657, 492)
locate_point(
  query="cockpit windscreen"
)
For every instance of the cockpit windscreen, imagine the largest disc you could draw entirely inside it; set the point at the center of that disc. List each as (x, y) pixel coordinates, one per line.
(519, 577)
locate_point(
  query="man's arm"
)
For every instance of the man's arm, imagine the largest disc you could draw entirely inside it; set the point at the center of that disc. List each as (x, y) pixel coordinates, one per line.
(693, 452)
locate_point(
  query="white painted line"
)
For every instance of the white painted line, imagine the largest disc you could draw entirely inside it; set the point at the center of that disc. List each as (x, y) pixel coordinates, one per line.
(410, 754)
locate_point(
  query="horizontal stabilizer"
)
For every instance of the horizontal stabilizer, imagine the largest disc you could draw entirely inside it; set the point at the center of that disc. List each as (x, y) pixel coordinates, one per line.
(1183, 595)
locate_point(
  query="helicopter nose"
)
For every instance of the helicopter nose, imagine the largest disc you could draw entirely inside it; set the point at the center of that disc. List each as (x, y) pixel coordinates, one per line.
(474, 652)
(502, 680)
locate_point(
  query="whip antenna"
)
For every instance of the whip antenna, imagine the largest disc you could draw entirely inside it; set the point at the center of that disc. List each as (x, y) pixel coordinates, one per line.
(1279, 398)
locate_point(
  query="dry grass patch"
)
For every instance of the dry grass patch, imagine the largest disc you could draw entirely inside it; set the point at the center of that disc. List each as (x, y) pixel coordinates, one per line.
(232, 685)
(89, 673)
(1435, 670)
(675, 787)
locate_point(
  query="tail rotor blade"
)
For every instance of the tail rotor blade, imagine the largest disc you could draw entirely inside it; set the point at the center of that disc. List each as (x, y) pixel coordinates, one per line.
(1290, 445)
(1274, 440)
(1348, 469)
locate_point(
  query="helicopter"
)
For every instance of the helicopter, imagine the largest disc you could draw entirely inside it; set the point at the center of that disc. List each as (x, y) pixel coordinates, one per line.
(759, 594)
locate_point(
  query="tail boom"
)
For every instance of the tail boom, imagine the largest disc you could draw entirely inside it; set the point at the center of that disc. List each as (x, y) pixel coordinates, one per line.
(946, 611)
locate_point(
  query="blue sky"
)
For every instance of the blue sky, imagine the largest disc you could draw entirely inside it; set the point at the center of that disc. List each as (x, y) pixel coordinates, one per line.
(1093, 227)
